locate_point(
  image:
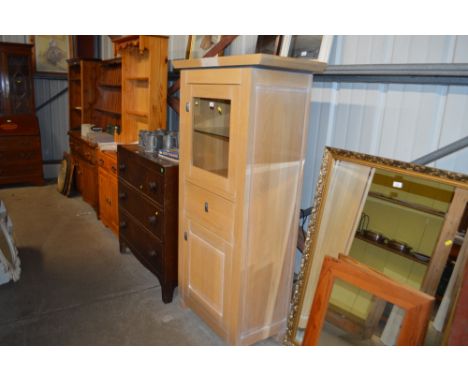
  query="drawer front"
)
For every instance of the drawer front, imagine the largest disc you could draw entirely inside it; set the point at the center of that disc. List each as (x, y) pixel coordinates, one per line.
(19, 157)
(19, 143)
(18, 125)
(107, 162)
(140, 176)
(147, 213)
(20, 171)
(80, 148)
(139, 240)
(211, 210)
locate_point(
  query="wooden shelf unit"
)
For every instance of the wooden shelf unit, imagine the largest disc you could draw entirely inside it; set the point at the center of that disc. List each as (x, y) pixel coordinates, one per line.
(144, 84)
(82, 75)
(108, 106)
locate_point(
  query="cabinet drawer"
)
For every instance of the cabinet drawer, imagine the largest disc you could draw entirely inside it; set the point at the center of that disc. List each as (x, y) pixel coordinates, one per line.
(148, 214)
(140, 241)
(211, 210)
(19, 144)
(19, 157)
(141, 177)
(108, 162)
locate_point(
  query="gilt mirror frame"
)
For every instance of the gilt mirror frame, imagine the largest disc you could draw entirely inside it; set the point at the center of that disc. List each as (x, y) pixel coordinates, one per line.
(332, 155)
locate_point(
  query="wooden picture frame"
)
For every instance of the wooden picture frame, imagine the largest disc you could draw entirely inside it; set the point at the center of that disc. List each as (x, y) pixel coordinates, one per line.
(50, 54)
(308, 47)
(417, 304)
(199, 45)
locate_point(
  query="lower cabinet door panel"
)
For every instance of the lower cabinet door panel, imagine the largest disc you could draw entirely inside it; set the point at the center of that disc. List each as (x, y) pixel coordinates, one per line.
(207, 265)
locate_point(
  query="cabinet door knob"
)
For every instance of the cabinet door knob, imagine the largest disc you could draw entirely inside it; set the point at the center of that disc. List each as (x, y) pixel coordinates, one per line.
(123, 224)
(185, 236)
(206, 206)
(187, 106)
(101, 162)
(141, 187)
(152, 186)
(122, 167)
(152, 219)
(122, 195)
(114, 170)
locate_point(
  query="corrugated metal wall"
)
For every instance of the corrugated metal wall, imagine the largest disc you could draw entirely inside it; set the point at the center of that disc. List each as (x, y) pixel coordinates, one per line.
(53, 120)
(397, 121)
(350, 50)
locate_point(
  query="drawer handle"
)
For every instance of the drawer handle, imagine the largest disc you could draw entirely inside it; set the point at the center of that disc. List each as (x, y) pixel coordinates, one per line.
(152, 253)
(152, 186)
(140, 187)
(123, 224)
(101, 162)
(206, 206)
(114, 170)
(122, 195)
(122, 167)
(152, 219)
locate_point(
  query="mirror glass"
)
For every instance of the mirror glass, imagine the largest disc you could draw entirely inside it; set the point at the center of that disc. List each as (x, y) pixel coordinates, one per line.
(385, 214)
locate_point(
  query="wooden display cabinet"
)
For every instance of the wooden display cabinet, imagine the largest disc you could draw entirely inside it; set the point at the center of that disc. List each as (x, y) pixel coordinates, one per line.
(144, 84)
(243, 134)
(82, 75)
(20, 139)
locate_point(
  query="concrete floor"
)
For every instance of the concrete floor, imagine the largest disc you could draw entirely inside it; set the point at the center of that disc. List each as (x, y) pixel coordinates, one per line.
(77, 289)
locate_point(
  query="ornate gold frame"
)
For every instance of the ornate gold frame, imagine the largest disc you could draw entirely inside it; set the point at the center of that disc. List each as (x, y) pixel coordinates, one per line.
(334, 154)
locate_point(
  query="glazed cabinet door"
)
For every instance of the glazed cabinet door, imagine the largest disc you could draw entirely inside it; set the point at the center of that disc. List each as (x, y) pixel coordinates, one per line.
(211, 135)
(204, 274)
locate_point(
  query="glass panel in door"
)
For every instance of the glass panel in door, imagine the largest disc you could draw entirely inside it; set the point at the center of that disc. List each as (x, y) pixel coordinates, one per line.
(211, 133)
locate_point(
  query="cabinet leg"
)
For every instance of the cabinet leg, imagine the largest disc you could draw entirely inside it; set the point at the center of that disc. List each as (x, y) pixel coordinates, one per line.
(123, 249)
(167, 293)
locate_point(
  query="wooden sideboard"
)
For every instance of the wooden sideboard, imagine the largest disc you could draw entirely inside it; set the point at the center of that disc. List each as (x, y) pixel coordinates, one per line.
(84, 154)
(108, 180)
(148, 211)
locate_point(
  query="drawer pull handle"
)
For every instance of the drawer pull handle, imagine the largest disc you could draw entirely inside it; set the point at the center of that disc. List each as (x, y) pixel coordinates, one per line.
(123, 224)
(122, 167)
(206, 206)
(152, 186)
(122, 195)
(185, 236)
(152, 219)
(141, 187)
(152, 253)
(114, 170)
(101, 162)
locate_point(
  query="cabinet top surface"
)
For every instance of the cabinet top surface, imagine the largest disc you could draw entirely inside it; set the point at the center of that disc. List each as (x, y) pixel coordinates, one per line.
(153, 157)
(257, 60)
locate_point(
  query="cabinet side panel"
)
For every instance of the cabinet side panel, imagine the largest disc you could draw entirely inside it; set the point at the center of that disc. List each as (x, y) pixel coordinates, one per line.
(274, 178)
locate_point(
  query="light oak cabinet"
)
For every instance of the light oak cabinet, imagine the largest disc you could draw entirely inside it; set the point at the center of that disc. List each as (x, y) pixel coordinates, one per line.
(243, 129)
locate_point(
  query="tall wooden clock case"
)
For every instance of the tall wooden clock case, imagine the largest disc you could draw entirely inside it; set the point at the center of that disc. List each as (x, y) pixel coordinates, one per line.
(243, 128)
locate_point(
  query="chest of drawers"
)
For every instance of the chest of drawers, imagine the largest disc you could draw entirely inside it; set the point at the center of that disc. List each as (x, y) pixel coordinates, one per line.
(20, 150)
(148, 209)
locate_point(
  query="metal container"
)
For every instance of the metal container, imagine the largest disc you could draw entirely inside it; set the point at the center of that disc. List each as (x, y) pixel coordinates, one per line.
(399, 246)
(374, 236)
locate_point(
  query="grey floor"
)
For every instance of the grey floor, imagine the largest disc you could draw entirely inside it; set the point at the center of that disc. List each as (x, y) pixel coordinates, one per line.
(77, 289)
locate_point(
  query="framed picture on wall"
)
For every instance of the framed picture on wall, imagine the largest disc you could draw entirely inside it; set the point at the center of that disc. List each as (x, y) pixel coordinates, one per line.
(307, 46)
(51, 54)
(199, 45)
